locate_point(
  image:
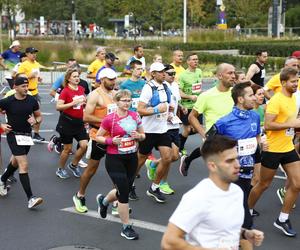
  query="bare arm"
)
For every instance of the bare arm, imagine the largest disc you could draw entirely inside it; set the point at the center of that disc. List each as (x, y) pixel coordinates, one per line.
(253, 69)
(143, 110)
(52, 92)
(90, 108)
(38, 116)
(193, 119)
(189, 97)
(61, 106)
(271, 124)
(2, 63)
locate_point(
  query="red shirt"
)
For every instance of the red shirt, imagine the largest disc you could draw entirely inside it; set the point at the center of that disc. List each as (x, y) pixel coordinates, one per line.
(68, 95)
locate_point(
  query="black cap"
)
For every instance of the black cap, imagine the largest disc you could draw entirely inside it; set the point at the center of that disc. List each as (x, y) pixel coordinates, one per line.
(20, 80)
(111, 56)
(31, 50)
(22, 55)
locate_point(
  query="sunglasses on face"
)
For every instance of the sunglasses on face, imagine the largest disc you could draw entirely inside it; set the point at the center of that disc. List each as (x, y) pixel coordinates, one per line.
(171, 73)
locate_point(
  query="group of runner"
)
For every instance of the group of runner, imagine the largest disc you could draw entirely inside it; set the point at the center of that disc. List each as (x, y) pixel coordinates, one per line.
(147, 113)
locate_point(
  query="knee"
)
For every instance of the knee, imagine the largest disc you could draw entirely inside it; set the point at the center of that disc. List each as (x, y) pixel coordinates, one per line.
(67, 150)
(23, 167)
(166, 158)
(83, 145)
(263, 184)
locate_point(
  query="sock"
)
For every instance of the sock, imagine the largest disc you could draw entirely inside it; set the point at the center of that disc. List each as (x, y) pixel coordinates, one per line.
(162, 182)
(283, 217)
(125, 226)
(73, 166)
(194, 155)
(24, 179)
(251, 211)
(154, 186)
(105, 202)
(182, 142)
(8, 172)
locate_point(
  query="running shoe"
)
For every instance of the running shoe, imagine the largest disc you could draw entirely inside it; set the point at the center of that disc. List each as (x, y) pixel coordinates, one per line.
(183, 152)
(51, 143)
(114, 210)
(281, 194)
(129, 233)
(34, 201)
(12, 179)
(75, 170)
(62, 173)
(79, 203)
(156, 194)
(102, 210)
(58, 148)
(255, 213)
(38, 138)
(132, 194)
(82, 164)
(151, 170)
(285, 227)
(165, 188)
(183, 167)
(3, 188)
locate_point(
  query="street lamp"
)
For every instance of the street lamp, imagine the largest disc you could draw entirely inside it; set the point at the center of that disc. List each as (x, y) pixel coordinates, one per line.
(184, 20)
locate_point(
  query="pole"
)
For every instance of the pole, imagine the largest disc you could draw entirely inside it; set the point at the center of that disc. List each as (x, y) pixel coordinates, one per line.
(1, 43)
(275, 19)
(73, 20)
(184, 21)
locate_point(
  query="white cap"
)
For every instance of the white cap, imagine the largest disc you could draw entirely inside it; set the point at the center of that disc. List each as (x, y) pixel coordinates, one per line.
(108, 73)
(157, 66)
(15, 43)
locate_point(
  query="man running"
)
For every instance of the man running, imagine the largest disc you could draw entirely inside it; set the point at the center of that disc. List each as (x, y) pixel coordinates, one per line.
(213, 104)
(177, 63)
(203, 219)
(97, 64)
(138, 55)
(256, 72)
(22, 112)
(280, 121)
(99, 104)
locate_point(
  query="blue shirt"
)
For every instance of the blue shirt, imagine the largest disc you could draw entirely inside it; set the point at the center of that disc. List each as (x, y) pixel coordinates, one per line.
(11, 58)
(58, 82)
(98, 72)
(134, 87)
(238, 125)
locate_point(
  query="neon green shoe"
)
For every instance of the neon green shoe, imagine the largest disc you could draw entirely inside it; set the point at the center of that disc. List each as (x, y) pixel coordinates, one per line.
(79, 203)
(165, 188)
(183, 152)
(151, 171)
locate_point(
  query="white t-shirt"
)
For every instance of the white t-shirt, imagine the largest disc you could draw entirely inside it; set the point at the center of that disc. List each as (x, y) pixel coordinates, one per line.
(210, 216)
(156, 123)
(175, 98)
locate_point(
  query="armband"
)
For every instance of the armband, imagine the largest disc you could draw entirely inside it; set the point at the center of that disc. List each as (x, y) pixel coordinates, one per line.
(155, 110)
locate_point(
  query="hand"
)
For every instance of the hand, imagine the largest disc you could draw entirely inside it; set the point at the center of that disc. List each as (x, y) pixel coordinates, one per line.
(170, 117)
(171, 108)
(254, 236)
(184, 110)
(6, 128)
(264, 144)
(31, 120)
(162, 107)
(80, 100)
(193, 98)
(116, 140)
(135, 135)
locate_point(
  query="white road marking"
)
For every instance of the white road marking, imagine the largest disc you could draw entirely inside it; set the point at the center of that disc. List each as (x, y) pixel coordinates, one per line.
(41, 142)
(136, 223)
(46, 113)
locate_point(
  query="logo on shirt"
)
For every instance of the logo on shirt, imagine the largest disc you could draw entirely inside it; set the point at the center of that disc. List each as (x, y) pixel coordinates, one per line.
(253, 127)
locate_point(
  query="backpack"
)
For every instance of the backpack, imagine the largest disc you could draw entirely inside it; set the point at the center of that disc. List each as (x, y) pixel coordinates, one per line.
(155, 100)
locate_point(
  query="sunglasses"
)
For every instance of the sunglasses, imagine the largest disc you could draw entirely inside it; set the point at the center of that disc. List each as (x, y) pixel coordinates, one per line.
(125, 100)
(171, 73)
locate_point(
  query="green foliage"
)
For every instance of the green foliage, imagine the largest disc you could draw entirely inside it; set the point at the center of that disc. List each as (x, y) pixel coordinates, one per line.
(292, 17)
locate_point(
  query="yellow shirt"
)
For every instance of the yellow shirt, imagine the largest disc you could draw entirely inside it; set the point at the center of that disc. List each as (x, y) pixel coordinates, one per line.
(284, 107)
(28, 68)
(12, 92)
(178, 69)
(275, 84)
(95, 66)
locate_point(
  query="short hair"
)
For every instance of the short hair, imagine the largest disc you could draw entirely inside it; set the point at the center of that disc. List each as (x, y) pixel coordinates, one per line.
(190, 55)
(136, 48)
(216, 144)
(220, 68)
(71, 60)
(121, 93)
(239, 90)
(286, 73)
(134, 62)
(168, 67)
(289, 59)
(255, 87)
(259, 52)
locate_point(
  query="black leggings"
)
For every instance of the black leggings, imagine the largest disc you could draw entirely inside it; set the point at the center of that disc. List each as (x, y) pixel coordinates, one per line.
(121, 168)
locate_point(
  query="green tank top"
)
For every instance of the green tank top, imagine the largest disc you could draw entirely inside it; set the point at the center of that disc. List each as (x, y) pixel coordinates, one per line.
(261, 112)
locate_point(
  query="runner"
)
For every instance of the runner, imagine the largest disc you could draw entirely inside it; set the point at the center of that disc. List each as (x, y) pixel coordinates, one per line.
(97, 64)
(138, 55)
(256, 72)
(109, 63)
(31, 68)
(125, 130)
(99, 104)
(202, 219)
(190, 87)
(177, 63)
(22, 112)
(70, 125)
(8, 60)
(243, 125)
(213, 104)
(280, 121)
(153, 107)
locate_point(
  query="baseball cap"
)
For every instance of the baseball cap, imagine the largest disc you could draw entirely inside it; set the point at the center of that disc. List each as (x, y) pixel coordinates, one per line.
(111, 56)
(296, 54)
(157, 66)
(20, 80)
(15, 43)
(31, 50)
(107, 73)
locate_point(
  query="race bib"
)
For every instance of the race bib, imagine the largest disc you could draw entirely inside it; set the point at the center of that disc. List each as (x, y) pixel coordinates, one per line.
(290, 132)
(263, 73)
(128, 144)
(135, 102)
(77, 106)
(24, 140)
(111, 108)
(247, 146)
(175, 120)
(162, 116)
(196, 88)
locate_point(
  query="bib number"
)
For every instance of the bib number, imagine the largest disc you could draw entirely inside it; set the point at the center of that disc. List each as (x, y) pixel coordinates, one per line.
(111, 108)
(196, 88)
(128, 144)
(162, 116)
(247, 146)
(135, 102)
(175, 120)
(263, 73)
(290, 132)
(23, 140)
(77, 106)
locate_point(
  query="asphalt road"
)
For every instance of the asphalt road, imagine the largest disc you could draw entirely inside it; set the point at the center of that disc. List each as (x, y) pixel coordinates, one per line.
(55, 224)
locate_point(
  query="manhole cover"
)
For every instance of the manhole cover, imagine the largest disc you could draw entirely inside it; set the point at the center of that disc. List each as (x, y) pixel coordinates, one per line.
(76, 247)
